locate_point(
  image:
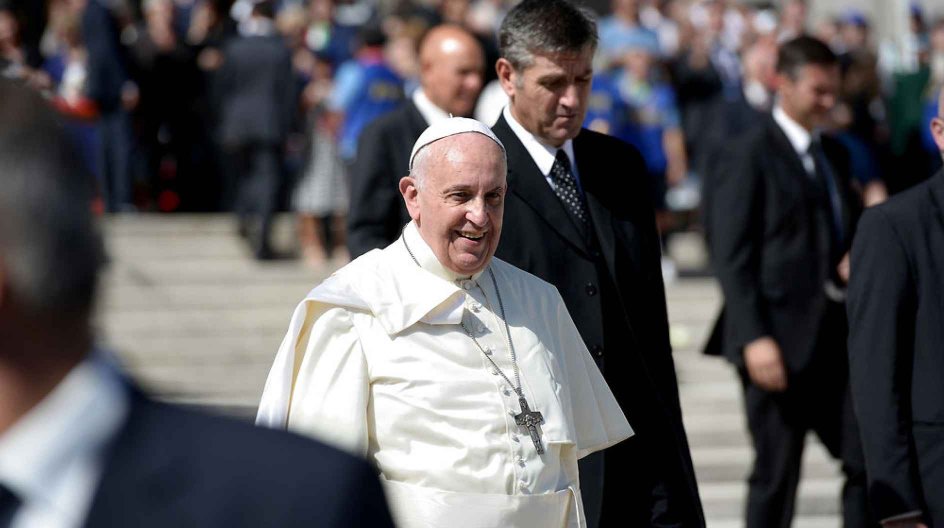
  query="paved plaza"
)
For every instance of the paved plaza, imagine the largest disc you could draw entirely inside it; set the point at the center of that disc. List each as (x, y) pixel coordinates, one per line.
(198, 321)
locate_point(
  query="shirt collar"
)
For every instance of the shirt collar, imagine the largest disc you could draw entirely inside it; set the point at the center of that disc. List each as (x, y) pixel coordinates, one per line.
(68, 428)
(799, 137)
(543, 155)
(395, 290)
(430, 112)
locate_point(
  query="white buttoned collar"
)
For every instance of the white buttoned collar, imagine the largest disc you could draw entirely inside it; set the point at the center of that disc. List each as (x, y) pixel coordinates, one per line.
(543, 155)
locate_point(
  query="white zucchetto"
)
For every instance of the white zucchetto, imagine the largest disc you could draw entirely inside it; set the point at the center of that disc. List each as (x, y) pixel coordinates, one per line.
(450, 127)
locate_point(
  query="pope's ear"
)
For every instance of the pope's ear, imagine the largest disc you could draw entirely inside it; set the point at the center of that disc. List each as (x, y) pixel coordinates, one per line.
(507, 76)
(410, 196)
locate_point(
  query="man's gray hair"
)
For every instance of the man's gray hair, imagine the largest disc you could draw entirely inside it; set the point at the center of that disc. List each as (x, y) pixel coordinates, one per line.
(543, 27)
(51, 251)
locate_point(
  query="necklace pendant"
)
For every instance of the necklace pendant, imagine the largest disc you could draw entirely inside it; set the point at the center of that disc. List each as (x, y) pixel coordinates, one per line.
(530, 420)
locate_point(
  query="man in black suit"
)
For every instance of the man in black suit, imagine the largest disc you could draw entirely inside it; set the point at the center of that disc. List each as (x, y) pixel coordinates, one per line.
(896, 349)
(783, 215)
(451, 70)
(590, 231)
(257, 102)
(79, 445)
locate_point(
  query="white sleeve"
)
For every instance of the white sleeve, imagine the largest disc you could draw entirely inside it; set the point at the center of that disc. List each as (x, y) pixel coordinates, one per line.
(332, 390)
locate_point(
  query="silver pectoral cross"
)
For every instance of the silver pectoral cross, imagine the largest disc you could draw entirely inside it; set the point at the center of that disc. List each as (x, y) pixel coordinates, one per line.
(531, 420)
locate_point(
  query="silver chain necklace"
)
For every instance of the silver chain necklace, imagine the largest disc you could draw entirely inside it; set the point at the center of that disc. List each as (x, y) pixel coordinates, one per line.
(526, 418)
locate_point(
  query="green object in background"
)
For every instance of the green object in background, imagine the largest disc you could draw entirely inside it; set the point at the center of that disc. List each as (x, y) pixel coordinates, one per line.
(906, 107)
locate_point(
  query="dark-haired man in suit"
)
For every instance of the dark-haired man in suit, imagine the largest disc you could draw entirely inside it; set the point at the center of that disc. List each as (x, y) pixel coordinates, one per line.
(783, 215)
(896, 349)
(257, 101)
(578, 215)
(79, 445)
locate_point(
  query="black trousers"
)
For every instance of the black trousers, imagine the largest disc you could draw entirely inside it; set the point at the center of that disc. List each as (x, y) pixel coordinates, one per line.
(817, 400)
(258, 171)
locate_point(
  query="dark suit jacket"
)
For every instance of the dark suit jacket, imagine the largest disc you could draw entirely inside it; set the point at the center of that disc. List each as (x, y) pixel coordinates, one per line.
(257, 91)
(107, 72)
(171, 467)
(383, 157)
(770, 244)
(896, 350)
(613, 290)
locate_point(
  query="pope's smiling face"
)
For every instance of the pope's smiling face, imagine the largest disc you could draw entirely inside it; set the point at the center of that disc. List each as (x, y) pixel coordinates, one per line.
(457, 199)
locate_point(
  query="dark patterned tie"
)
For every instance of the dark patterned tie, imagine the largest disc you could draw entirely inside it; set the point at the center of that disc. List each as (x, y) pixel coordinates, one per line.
(9, 503)
(565, 186)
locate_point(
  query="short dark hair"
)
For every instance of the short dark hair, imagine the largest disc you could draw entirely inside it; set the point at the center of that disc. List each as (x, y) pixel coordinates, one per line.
(50, 247)
(802, 51)
(542, 27)
(264, 8)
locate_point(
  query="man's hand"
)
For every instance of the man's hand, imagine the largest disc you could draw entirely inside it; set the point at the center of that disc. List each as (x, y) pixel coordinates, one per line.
(764, 364)
(843, 268)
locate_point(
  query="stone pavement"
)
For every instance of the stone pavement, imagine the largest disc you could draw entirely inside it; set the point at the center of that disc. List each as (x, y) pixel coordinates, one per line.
(199, 322)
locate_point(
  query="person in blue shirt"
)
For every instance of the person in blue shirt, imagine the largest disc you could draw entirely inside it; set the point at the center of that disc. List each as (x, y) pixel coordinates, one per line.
(365, 88)
(634, 104)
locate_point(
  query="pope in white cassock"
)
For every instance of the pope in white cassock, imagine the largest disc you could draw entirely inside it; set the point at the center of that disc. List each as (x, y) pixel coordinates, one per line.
(460, 376)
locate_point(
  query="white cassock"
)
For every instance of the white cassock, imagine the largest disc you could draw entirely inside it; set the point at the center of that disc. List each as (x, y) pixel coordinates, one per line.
(375, 361)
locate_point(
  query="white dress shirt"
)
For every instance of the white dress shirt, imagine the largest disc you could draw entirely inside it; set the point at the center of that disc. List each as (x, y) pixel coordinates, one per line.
(430, 112)
(376, 362)
(543, 155)
(52, 457)
(799, 137)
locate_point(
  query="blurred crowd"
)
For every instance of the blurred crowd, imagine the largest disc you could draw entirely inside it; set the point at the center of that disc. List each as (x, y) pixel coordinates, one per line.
(165, 97)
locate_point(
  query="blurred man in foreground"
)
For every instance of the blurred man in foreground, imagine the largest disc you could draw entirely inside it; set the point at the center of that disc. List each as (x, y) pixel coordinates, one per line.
(896, 349)
(451, 70)
(79, 444)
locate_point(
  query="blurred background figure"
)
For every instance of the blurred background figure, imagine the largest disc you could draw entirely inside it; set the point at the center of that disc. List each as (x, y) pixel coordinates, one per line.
(635, 102)
(732, 118)
(366, 87)
(321, 196)
(793, 19)
(258, 102)
(115, 94)
(859, 117)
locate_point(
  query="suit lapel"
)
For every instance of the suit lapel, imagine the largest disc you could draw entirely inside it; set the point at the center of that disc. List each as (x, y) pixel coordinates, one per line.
(527, 182)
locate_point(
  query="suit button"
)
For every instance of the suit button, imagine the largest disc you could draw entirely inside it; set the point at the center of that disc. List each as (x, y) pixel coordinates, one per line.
(596, 350)
(591, 289)
(595, 254)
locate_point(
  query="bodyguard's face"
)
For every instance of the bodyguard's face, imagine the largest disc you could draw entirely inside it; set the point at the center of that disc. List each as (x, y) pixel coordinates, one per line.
(460, 206)
(810, 97)
(549, 98)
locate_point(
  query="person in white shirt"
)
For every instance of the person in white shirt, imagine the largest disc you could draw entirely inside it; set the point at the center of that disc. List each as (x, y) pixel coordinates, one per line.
(461, 377)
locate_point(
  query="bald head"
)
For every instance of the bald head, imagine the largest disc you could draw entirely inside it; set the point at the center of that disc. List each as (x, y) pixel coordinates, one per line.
(760, 63)
(452, 66)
